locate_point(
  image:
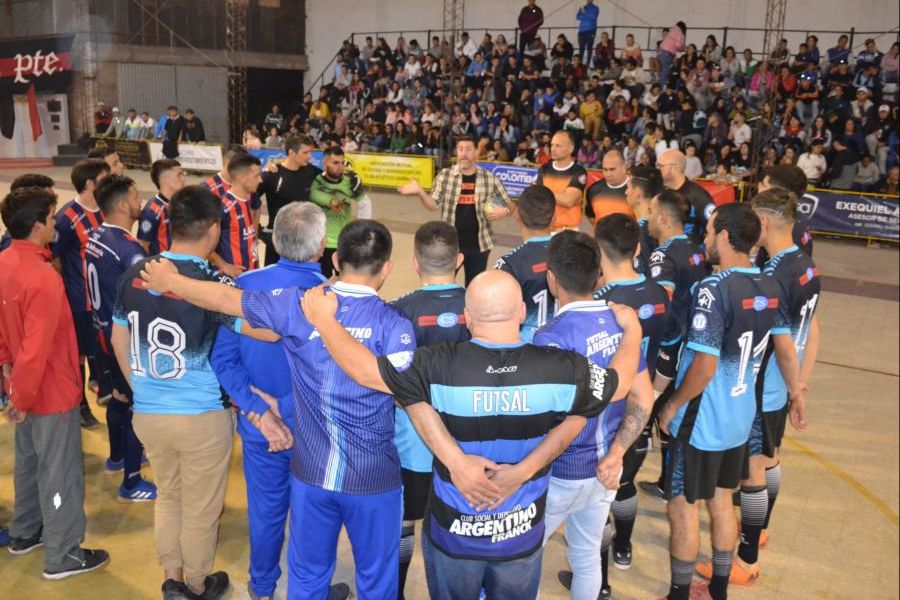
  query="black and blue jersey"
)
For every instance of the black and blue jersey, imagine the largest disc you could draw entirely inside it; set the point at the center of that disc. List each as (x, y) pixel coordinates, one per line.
(798, 278)
(110, 251)
(677, 265)
(170, 342)
(648, 245)
(734, 313)
(651, 303)
(528, 264)
(590, 329)
(74, 224)
(436, 313)
(497, 401)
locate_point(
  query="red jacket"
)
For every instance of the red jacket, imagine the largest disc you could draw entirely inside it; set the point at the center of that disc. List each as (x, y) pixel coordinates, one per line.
(37, 333)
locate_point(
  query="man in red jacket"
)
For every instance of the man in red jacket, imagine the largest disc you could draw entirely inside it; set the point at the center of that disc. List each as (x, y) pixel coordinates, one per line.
(39, 358)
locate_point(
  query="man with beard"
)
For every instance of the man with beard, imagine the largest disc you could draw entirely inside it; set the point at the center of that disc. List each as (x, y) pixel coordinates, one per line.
(110, 251)
(710, 415)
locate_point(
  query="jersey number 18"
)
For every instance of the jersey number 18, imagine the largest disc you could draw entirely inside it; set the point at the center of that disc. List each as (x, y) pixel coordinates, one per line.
(173, 350)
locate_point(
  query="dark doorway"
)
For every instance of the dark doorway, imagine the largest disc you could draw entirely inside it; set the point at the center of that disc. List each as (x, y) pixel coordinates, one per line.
(266, 87)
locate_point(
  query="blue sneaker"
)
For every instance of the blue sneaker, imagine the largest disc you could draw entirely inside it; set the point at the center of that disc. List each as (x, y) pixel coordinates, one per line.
(114, 466)
(142, 492)
(4, 537)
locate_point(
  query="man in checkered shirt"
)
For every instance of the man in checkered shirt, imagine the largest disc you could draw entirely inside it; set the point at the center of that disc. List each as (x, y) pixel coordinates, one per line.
(465, 195)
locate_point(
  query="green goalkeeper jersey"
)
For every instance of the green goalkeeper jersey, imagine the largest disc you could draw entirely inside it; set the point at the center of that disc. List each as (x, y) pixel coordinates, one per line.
(335, 199)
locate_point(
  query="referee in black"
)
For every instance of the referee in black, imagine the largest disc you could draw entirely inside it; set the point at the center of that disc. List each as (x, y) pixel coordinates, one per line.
(287, 182)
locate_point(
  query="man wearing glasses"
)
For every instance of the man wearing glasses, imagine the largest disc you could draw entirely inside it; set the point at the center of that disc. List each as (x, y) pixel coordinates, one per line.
(671, 164)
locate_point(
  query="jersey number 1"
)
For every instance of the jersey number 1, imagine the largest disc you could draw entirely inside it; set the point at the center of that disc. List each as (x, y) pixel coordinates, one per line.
(747, 350)
(173, 350)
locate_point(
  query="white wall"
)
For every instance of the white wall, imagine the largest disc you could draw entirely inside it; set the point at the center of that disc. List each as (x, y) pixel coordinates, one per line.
(330, 21)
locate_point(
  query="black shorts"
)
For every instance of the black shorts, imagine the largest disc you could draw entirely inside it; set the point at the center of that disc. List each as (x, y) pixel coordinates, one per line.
(767, 432)
(695, 474)
(416, 487)
(88, 343)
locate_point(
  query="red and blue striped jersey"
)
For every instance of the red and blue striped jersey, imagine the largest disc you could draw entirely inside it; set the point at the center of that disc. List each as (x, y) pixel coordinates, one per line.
(74, 224)
(219, 187)
(154, 225)
(237, 242)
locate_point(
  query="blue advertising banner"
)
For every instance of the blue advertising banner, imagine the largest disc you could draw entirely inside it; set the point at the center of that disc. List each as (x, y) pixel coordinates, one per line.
(265, 155)
(514, 178)
(852, 214)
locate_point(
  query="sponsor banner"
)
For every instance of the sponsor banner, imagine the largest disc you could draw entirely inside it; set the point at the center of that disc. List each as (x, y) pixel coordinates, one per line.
(854, 215)
(515, 178)
(275, 155)
(193, 157)
(391, 170)
(132, 153)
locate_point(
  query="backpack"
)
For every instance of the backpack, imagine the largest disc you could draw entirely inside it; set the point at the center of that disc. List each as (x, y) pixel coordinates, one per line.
(699, 120)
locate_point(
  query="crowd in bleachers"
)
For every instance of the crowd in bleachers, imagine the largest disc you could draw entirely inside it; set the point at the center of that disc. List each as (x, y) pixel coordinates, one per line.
(832, 112)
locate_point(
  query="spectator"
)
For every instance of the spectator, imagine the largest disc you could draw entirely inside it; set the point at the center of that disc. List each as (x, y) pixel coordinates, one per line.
(891, 185)
(739, 132)
(102, 118)
(839, 54)
(890, 69)
(631, 51)
(116, 124)
(193, 127)
(587, 29)
(867, 175)
(693, 167)
(274, 119)
(174, 132)
(531, 17)
(273, 140)
(813, 163)
(711, 52)
(870, 56)
(132, 126)
(562, 48)
(879, 132)
(604, 52)
(671, 45)
(250, 138)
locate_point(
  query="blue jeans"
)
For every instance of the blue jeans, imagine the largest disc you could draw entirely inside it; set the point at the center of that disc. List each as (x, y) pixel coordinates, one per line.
(268, 477)
(665, 66)
(461, 579)
(373, 526)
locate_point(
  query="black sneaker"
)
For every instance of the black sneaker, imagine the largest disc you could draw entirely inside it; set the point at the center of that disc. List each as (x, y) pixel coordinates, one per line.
(216, 586)
(20, 546)
(736, 498)
(622, 558)
(339, 591)
(88, 420)
(80, 560)
(176, 590)
(653, 490)
(565, 578)
(605, 594)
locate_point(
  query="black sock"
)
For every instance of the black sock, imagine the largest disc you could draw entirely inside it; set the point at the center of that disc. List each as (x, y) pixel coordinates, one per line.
(624, 511)
(116, 415)
(407, 543)
(92, 367)
(773, 485)
(132, 448)
(718, 587)
(682, 574)
(84, 401)
(664, 454)
(754, 505)
(604, 554)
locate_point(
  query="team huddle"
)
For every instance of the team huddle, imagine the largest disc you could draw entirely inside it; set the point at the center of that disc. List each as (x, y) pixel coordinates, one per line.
(494, 413)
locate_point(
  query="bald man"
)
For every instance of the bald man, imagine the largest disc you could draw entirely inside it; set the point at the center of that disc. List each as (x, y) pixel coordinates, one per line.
(566, 179)
(607, 196)
(672, 164)
(495, 412)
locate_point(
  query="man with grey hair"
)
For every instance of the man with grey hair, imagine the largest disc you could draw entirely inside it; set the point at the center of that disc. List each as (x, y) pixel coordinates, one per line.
(257, 377)
(671, 165)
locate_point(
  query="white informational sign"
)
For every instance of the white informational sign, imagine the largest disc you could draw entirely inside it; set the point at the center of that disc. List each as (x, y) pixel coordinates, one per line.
(193, 157)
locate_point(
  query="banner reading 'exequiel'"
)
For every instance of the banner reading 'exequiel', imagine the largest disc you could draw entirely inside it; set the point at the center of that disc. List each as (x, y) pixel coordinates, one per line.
(855, 215)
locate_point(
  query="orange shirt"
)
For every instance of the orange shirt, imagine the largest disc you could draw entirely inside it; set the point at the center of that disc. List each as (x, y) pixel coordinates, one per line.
(558, 180)
(605, 200)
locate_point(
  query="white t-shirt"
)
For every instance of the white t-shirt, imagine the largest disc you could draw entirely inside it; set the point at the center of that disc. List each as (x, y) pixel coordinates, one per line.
(812, 165)
(741, 134)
